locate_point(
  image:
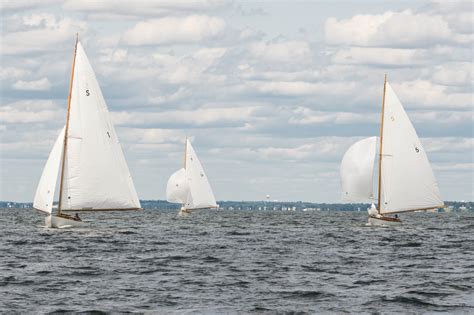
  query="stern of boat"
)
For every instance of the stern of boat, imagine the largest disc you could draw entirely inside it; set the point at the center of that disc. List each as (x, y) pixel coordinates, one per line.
(60, 222)
(384, 221)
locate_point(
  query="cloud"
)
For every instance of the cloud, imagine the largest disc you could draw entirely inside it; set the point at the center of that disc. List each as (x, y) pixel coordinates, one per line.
(314, 149)
(457, 145)
(306, 116)
(152, 136)
(458, 13)
(449, 118)
(393, 29)
(38, 32)
(36, 85)
(381, 56)
(453, 73)
(7, 73)
(193, 68)
(269, 104)
(299, 88)
(423, 93)
(31, 111)
(139, 8)
(223, 117)
(282, 51)
(13, 5)
(174, 30)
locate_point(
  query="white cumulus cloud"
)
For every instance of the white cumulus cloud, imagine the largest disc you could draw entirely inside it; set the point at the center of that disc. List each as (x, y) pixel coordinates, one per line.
(393, 29)
(169, 30)
(35, 85)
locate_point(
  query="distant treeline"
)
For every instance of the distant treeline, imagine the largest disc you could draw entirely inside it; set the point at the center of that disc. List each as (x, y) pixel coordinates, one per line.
(266, 205)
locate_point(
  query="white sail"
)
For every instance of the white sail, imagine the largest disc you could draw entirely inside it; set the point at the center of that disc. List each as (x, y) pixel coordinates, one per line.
(357, 170)
(408, 182)
(177, 189)
(200, 191)
(96, 175)
(45, 191)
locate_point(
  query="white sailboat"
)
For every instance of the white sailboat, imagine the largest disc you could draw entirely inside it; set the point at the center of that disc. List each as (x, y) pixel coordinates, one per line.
(87, 156)
(405, 178)
(189, 185)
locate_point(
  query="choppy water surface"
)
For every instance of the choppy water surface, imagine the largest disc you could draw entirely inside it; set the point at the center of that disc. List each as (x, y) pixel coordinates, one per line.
(223, 261)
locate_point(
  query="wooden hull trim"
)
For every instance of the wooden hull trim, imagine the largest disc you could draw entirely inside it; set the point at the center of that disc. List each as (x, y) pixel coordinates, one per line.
(411, 210)
(62, 221)
(97, 210)
(383, 221)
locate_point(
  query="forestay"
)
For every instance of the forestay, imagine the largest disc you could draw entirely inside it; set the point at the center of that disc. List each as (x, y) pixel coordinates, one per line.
(96, 175)
(408, 182)
(357, 169)
(200, 191)
(177, 189)
(46, 187)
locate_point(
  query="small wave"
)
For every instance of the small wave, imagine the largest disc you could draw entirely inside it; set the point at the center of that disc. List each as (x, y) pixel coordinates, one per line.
(429, 294)
(238, 233)
(306, 294)
(260, 308)
(211, 259)
(13, 280)
(313, 269)
(409, 244)
(408, 300)
(177, 257)
(127, 232)
(22, 242)
(15, 265)
(368, 282)
(43, 272)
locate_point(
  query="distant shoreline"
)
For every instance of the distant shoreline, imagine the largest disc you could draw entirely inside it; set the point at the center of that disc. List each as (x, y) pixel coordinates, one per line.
(265, 205)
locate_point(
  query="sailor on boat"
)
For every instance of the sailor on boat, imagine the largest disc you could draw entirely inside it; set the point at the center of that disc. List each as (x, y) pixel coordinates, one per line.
(373, 213)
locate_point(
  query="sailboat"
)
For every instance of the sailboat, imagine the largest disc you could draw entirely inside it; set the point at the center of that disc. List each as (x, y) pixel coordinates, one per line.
(405, 178)
(189, 185)
(87, 156)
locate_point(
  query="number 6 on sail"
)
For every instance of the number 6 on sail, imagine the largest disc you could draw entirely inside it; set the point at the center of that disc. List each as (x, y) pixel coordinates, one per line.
(93, 173)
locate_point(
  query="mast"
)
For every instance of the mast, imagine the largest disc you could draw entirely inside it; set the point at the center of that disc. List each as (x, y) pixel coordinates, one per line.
(184, 162)
(67, 126)
(381, 138)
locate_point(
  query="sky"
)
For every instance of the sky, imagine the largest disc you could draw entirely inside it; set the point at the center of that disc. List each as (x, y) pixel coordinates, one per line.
(271, 93)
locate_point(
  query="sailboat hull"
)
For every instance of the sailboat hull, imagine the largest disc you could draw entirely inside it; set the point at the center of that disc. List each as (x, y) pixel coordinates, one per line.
(56, 222)
(185, 211)
(384, 221)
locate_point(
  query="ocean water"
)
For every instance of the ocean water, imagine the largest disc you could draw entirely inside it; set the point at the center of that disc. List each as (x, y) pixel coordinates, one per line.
(237, 262)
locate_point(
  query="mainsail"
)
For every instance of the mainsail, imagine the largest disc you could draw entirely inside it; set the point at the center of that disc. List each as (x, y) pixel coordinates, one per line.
(96, 175)
(357, 169)
(47, 185)
(199, 187)
(189, 185)
(407, 180)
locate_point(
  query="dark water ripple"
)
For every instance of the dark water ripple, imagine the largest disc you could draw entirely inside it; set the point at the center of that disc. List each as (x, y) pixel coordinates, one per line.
(237, 262)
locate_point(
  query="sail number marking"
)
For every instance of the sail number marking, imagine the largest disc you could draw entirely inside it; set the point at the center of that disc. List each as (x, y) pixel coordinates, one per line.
(417, 150)
(87, 93)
